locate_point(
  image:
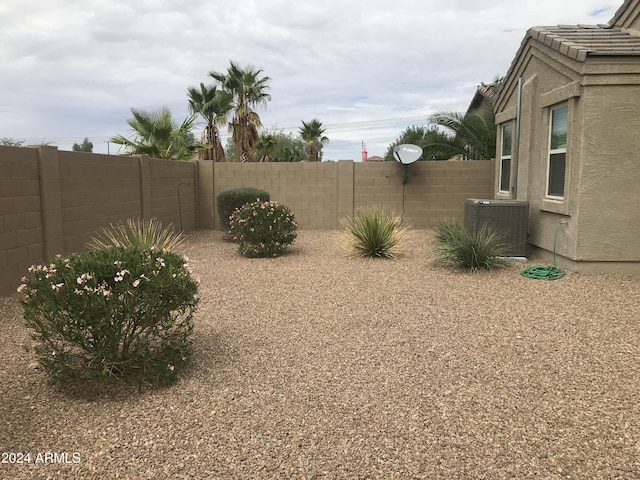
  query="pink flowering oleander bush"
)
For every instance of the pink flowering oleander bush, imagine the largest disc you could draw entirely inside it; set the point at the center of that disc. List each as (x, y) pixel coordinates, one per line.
(229, 201)
(119, 313)
(263, 228)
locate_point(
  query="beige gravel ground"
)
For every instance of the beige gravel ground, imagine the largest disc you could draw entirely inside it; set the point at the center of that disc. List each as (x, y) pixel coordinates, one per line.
(317, 365)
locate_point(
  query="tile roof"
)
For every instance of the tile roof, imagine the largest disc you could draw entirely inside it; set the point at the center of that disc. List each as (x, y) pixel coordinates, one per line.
(619, 38)
(580, 41)
(627, 15)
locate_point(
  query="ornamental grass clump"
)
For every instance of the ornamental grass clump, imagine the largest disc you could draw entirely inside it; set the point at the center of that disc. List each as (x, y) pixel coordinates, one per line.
(115, 314)
(374, 232)
(263, 229)
(137, 232)
(457, 247)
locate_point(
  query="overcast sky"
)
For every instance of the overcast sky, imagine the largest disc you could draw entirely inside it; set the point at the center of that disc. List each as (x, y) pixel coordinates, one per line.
(366, 69)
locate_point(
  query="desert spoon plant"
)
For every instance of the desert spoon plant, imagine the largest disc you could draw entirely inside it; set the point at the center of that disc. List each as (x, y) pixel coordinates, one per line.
(139, 232)
(457, 247)
(374, 232)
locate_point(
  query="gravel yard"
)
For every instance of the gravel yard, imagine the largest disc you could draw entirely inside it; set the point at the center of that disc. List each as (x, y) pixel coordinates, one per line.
(318, 365)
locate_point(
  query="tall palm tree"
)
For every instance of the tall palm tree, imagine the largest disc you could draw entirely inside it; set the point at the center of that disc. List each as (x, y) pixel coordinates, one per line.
(156, 134)
(311, 133)
(249, 91)
(213, 105)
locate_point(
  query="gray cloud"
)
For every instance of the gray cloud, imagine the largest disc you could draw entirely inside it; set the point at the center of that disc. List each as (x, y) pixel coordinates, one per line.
(74, 68)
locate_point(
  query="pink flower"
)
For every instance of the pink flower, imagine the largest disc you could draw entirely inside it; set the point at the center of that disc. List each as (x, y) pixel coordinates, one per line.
(21, 288)
(136, 282)
(120, 275)
(83, 278)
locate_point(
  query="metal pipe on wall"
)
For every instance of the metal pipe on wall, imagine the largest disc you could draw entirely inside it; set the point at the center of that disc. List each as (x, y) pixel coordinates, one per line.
(516, 151)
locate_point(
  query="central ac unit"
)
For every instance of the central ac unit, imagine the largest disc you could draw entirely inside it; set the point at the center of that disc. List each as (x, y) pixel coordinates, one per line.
(508, 217)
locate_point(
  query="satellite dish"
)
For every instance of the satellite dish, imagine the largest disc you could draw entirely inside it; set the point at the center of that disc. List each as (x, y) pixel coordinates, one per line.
(407, 153)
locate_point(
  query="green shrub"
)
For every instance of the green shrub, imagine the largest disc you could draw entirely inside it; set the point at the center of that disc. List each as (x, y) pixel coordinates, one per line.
(119, 313)
(457, 247)
(374, 232)
(141, 233)
(263, 229)
(231, 200)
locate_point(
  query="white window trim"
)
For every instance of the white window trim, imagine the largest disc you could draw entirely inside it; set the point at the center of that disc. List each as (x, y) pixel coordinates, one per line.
(556, 151)
(505, 157)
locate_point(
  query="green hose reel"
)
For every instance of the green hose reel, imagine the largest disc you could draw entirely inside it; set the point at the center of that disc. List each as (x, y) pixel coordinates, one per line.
(546, 273)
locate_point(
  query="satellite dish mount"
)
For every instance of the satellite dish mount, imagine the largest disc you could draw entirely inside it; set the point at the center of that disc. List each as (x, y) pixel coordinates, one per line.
(406, 154)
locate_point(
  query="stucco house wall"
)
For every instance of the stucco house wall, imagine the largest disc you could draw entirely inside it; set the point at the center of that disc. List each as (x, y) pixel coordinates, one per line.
(599, 81)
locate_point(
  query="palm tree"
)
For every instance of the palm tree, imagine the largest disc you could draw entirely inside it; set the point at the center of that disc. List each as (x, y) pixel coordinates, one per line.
(249, 90)
(311, 133)
(213, 105)
(11, 142)
(265, 146)
(472, 135)
(435, 144)
(157, 135)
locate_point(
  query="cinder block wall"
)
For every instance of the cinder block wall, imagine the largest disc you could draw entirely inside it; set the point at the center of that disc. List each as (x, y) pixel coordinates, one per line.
(99, 189)
(433, 190)
(21, 232)
(309, 189)
(96, 190)
(173, 193)
(53, 201)
(320, 194)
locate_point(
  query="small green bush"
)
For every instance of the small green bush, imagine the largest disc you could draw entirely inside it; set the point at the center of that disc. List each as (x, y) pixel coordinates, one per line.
(457, 247)
(263, 229)
(231, 200)
(141, 233)
(374, 232)
(119, 313)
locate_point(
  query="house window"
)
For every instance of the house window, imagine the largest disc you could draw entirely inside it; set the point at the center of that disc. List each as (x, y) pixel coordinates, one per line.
(557, 151)
(505, 157)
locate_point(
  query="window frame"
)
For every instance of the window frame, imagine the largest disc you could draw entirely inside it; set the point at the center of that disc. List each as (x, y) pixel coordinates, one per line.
(556, 151)
(504, 157)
